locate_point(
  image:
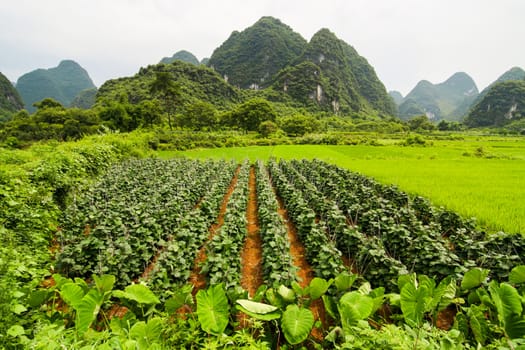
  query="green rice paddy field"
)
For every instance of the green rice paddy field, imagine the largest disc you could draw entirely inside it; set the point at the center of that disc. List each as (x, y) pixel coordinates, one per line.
(477, 177)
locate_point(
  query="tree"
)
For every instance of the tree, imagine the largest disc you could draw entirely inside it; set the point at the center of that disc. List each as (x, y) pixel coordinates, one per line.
(421, 123)
(199, 116)
(267, 128)
(299, 125)
(249, 115)
(168, 91)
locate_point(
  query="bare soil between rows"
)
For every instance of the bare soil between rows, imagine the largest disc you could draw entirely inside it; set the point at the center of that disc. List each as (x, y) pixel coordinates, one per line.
(251, 257)
(197, 279)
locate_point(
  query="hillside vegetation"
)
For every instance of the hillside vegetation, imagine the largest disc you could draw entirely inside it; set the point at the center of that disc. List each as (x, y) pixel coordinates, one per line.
(10, 100)
(503, 104)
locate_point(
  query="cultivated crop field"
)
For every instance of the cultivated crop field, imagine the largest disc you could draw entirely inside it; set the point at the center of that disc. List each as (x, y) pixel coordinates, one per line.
(292, 252)
(479, 177)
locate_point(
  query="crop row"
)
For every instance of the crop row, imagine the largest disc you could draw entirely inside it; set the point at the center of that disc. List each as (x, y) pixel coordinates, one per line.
(278, 267)
(409, 231)
(364, 254)
(321, 252)
(223, 251)
(175, 262)
(117, 225)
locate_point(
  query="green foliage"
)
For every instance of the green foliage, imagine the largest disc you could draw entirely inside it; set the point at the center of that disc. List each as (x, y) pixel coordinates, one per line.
(213, 310)
(299, 125)
(421, 123)
(249, 59)
(503, 103)
(267, 128)
(196, 83)
(85, 99)
(296, 324)
(199, 116)
(182, 55)
(249, 115)
(331, 74)
(10, 100)
(61, 83)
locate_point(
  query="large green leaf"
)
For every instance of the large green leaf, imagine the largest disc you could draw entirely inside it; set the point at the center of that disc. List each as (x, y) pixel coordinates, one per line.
(517, 275)
(506, 300)
(87, 310)
(353, 307)
(296, 324)
(474, 278)
(318, 287)
(257, 310)
(255, 307)
(72, 294)
(147, 334)
(478, 323)
(508, 303)
(286, 293)
(213, 309)
(515, 326)
(414, 303)
(344, 281)
(104, 283)
(443, 294)
(139, 293)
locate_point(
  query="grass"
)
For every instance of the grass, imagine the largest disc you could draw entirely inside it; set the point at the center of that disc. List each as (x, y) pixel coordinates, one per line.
(478, 177)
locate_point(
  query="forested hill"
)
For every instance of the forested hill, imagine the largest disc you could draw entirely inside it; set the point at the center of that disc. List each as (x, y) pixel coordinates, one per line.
(193, 84)
(10, 100)
(449, 100)
(182, 55)
(63, 83)
(331, 74)
(504, 103)
(515, 73)
(249, 59)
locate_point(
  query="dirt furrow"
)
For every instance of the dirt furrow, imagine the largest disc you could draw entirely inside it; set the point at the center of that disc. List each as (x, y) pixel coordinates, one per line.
(305, 273)
(196, 278)
(251, 256)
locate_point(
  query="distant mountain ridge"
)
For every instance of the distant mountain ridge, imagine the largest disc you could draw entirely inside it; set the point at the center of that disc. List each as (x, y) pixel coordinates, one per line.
(183, 55)
(63, 83)
(449, 100)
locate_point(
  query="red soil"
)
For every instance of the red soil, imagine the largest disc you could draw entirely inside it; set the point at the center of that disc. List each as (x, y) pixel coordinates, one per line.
(196, 278)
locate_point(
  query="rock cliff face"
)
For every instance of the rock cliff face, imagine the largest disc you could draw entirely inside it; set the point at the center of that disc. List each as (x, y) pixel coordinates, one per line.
(61, 83)
(448, 100)
(333, 75)
(502, 104)
(10, 100)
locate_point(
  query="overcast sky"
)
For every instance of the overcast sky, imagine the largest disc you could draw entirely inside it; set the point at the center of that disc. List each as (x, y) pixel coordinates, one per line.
(404, 40)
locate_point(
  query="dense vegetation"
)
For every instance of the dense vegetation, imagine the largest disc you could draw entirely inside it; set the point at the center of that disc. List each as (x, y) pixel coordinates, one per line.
(503, 104)
(85, 99)
(61, 83)
(515, 73)
(249, 59)
(10, 100)
(415, 283)
(332, 75)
